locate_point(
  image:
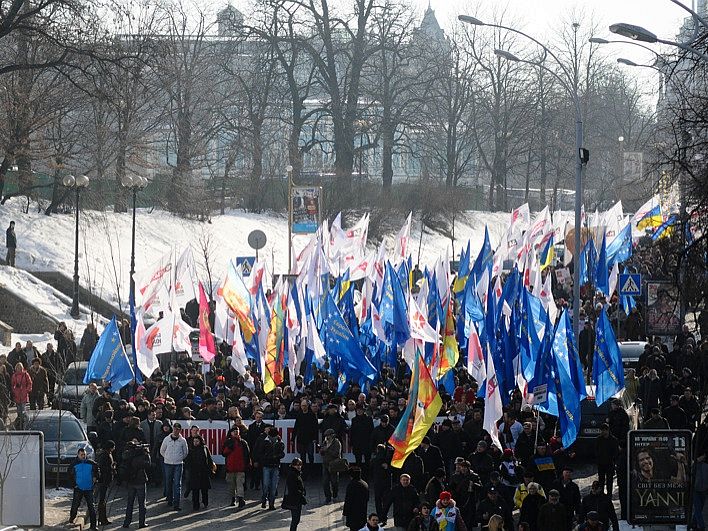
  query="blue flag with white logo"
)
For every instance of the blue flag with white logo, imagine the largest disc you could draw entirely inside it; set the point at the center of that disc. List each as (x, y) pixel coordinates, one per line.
(607, 370)
(393, 309)
(566, 391)
(109, 361)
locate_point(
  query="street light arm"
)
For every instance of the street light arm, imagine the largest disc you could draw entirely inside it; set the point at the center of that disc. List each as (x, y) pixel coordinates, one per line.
(696, 17)
(596, 40)
(564, 83)
(546, 50)
(686, 47)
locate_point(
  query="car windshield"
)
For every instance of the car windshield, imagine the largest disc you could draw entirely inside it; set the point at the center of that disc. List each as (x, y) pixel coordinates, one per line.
(631, 351)
(70, 430)
(75, 376)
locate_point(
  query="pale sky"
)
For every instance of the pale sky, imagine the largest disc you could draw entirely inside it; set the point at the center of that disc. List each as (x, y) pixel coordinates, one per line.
(540, 18)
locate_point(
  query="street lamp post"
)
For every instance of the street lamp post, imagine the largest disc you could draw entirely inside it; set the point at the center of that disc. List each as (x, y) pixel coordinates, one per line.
(134, 184)
(77, 184)
(638, 33)
(581, 154)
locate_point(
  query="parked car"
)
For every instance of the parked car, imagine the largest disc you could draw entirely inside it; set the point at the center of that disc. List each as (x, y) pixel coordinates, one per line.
(591, 418)
(63, 436)
(71, 388)
(630, 351)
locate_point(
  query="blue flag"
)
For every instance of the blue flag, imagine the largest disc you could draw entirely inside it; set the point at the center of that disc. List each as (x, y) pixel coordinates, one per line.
(587, 262)
(531, 324)
(484, 258)
(566, 392)
(340, 343)
(607, 370)
(576, 366)
(394, 309)
(109, 361)
(133, 327)
(620, 249)
(602, 275)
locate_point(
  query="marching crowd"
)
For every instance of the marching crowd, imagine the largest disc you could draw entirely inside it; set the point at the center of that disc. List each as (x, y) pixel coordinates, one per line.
(457, 479)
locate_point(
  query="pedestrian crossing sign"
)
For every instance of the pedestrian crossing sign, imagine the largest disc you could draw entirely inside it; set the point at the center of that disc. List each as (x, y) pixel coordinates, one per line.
(630, 284)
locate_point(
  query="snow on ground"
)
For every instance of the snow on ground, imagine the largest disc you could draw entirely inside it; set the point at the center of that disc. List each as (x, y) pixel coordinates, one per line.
(46, 243)
(44, 297)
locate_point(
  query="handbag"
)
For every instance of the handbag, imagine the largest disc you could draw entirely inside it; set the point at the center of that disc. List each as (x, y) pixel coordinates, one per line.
(338, 465)
(284, 505)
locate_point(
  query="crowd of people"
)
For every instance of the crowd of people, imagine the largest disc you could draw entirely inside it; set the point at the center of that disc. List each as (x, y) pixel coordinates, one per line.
(456, 479)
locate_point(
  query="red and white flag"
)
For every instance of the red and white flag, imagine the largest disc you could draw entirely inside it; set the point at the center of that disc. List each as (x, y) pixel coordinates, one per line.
(207, 348)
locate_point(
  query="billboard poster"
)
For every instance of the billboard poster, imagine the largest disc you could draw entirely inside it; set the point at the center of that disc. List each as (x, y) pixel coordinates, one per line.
(306, 203)
(659, 477)
(663, 309)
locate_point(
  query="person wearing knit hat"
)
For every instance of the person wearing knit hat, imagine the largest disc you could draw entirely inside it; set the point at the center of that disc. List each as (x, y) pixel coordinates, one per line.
(446, 513)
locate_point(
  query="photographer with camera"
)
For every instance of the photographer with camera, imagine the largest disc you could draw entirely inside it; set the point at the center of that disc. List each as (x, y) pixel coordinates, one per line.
(106, 472)
(134, 470)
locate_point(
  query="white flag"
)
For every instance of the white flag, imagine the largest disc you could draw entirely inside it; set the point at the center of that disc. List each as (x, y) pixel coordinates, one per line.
(492, 404)
(475, 356)
(419, 326)
(239, 361)
(614, 276)
(402, 239)
(546, 296)
(185, 273)
(146, 359)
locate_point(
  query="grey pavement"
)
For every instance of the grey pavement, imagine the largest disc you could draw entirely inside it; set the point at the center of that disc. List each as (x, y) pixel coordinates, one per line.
(219, 515)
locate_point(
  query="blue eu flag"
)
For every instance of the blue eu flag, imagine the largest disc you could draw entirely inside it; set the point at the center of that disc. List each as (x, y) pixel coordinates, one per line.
(567, 394)
(607, 371)
(109, 361)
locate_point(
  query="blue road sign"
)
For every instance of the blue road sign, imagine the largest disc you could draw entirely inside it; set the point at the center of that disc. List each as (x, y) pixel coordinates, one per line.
(630, 284)
(248, 263)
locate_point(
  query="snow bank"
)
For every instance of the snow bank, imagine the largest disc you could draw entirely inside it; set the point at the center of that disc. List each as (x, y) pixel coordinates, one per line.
(46, 243)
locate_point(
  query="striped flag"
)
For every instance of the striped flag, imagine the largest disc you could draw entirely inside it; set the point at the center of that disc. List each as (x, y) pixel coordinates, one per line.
(424, 404)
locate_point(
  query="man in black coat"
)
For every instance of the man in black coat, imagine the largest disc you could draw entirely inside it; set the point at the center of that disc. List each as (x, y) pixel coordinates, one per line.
(618, 421)
(675, 416)
(491, 505)
(569, 495)
(305, 433)
(11, 244)
(404, 498)
(381, 475)
(432, 458)
(382, 433)
(360, 436)
(254, 432)
(586, 344)
(606, 450)
(602, 504)
(333, 420)
(137, 458)
(449, 443)
(356, 501)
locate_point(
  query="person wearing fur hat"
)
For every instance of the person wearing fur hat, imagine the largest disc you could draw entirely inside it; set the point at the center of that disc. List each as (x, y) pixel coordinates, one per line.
(447, 515)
